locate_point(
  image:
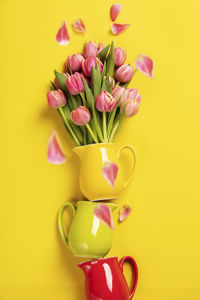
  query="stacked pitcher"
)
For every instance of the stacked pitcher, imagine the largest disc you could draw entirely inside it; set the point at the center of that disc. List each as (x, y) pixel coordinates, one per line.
(101, 181)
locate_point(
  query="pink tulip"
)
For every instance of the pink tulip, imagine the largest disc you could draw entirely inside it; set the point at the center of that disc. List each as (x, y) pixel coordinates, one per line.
(90, 49)
(100, 47)
(120, 92)
(75, 83)
(124, 73)
(120, 56)
(89, 63)
(56, 99)
(132, 103)
(145, 65)
(80, 116)
(74, 62)
(105, 102)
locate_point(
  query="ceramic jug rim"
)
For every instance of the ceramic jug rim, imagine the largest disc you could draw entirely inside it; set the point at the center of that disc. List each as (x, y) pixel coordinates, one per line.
(97, 260)
(93, 145)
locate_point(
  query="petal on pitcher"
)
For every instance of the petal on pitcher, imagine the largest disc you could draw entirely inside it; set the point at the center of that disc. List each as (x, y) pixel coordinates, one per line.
(110, 171)
(62, 36)
(103, 213)
(124, 212)
(118, 28)
(79, 26)
(55, 153)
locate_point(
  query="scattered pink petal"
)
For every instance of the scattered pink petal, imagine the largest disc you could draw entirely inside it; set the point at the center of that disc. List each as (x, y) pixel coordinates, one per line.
(55, 153)
(124, 212)
(103, 213)
(145, 65)
(79, 26)
(119, 28)
(62, 36)
(110, 171)
(114, 11)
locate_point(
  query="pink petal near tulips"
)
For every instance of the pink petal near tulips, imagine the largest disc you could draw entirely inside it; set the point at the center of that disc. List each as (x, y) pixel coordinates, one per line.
(56, 99)
(55, 153)
(80, 116)
(110, 171)
(103, 213)
(145, 65)
(75, 83)
(62, 36)
(119, 28)
(124, 73)
(79, 26)
(105, 102)
(124, 212)
(114, 11)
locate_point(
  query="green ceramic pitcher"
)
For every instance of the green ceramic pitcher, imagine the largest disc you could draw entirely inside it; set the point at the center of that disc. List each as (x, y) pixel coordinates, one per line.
(88, 236)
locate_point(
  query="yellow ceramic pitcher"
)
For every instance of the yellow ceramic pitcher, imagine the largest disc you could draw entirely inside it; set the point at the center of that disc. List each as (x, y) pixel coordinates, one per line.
(101, 175)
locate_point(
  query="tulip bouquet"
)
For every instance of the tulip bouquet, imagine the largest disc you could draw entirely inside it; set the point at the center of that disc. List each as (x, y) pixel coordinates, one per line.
(92, 97)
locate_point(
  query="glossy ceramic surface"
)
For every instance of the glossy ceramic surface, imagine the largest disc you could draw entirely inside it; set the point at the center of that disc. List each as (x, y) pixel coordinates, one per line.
(88, 236)
(104, 279)
(92, 182)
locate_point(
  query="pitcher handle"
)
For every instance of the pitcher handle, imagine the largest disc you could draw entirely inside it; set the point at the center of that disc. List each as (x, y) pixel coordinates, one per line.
(60, 220)
(134, 268)
(134, 156)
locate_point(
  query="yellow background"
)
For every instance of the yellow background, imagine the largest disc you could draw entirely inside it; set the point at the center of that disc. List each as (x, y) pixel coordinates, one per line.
(163, 231)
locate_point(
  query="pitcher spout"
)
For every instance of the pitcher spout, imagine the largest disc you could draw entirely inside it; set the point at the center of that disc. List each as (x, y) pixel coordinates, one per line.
(80, 150)
(85, 267)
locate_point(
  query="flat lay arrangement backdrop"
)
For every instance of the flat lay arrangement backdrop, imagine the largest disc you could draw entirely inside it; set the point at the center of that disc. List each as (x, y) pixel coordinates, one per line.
(162, 233)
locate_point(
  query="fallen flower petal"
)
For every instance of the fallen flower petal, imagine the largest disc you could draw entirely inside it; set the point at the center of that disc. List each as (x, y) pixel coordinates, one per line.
(79, 26)
(103, 213)
(55, 153)
(114, 11)
(62, 36)
(118, 28)
(145, 65)
(124, 212)
(110, 171)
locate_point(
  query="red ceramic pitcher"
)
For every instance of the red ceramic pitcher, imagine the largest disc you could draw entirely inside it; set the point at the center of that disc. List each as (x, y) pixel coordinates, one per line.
(104, 279)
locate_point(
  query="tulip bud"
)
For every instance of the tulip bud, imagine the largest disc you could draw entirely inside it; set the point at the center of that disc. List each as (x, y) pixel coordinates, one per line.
(75, 83)
(120, 92)
(89, 63)
(120, 56)
(100, 47)
(124, 73)
(90, 49)
(56, 99)
(74, 62)
(105, 102)
(132, 103)
(80, 116)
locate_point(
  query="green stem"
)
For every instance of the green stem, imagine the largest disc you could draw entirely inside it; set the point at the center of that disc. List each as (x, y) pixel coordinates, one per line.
(118, 83)
(83, 98)
(68, 125)
(92, 133)
(114, 130)
(104, 126)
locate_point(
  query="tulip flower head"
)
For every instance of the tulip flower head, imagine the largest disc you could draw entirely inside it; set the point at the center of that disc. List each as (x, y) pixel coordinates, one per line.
(56, 99)
(89, 63)
(105, 102)
(124, 73)
(120, 92)
(120, 56)
(90, 49)
(74, 62)
(100, 47)
(80, 116)
(75, 83)
(132, 103)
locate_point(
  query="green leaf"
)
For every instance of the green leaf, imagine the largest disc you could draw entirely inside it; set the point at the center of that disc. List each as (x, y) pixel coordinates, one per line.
(111, 120)
(70, 70)
(110, 61)
(52, 87)
(61, 78)
(118, 125)
(125, 84)
(103, 53)
(96, 81)
(103, 72)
